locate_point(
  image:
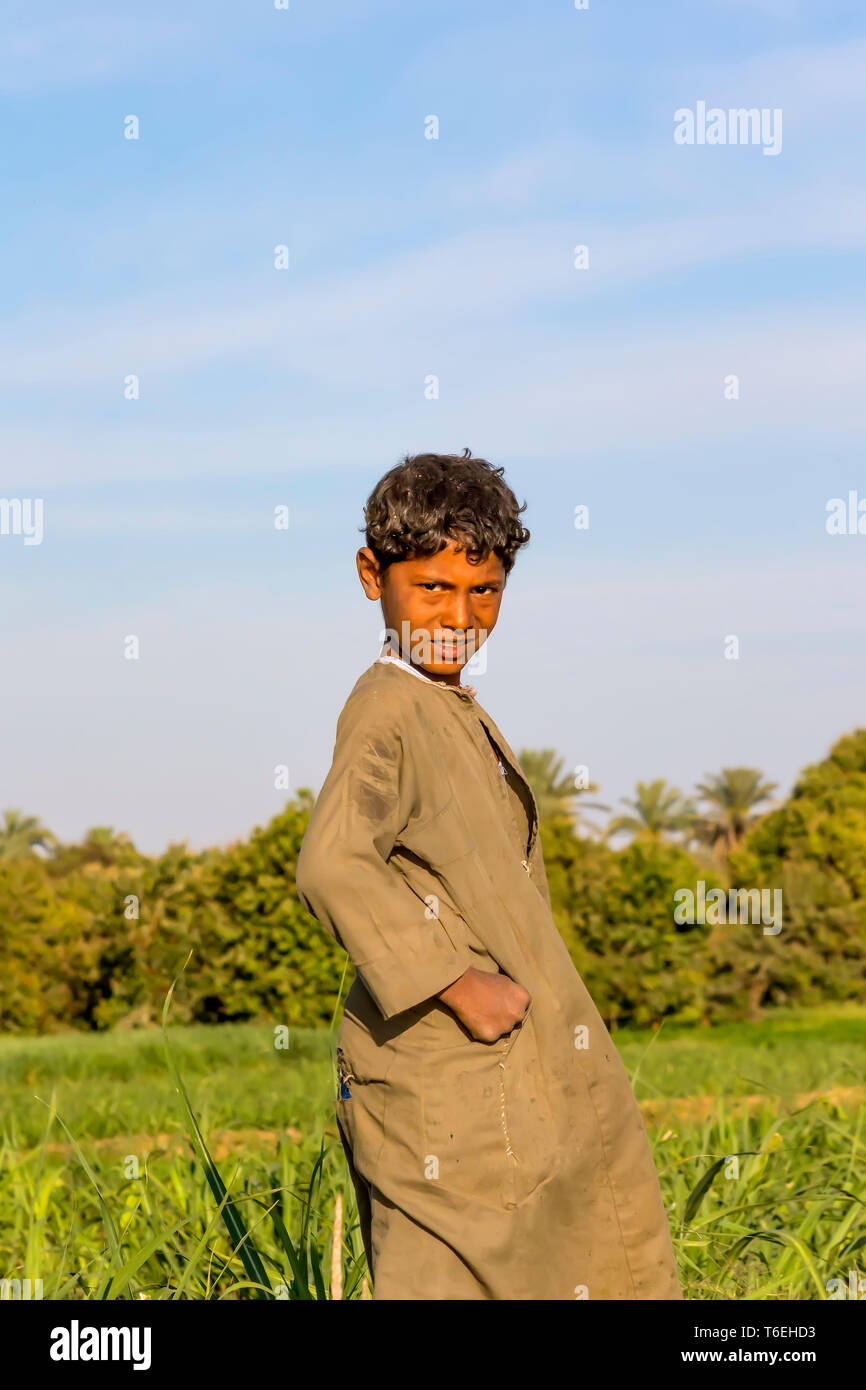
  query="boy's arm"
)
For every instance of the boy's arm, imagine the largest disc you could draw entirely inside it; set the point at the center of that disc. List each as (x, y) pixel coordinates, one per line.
(403, 954)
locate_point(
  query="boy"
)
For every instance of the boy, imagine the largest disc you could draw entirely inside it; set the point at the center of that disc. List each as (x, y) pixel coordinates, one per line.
(491, 1132)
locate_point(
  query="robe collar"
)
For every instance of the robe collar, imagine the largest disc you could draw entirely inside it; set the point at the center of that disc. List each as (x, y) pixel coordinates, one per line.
(389, 657)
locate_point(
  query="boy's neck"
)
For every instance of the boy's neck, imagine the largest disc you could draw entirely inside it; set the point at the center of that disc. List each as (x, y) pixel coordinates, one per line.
(450, 680)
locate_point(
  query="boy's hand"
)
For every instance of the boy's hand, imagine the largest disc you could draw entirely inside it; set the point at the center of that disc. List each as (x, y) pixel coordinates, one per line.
(487, 1004)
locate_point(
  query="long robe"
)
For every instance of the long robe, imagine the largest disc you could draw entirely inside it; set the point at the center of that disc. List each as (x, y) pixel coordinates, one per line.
(519, 1169)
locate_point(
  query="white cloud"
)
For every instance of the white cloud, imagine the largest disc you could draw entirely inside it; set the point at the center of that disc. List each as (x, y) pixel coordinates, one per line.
(779, 9)
(74, 50)
(48, 47)
(348, 323)
(581, 390)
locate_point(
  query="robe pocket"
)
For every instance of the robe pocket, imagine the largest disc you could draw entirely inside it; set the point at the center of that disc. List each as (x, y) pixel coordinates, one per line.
(465, 1144)
(488, 1127)
(439, 838)
(533, 1128)
(361, 1104)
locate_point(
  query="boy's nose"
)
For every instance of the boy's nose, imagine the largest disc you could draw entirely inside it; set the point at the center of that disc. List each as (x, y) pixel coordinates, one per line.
(457, 615)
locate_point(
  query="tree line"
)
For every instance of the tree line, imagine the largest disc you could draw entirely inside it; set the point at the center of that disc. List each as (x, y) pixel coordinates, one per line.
(718, 816)
(93, 932)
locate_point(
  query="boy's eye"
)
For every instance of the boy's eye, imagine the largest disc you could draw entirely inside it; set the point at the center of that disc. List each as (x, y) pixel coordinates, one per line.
(430, 584)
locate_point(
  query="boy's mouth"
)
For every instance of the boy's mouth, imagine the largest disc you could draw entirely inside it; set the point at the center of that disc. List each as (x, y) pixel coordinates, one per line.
(449, 650)
(438, 647)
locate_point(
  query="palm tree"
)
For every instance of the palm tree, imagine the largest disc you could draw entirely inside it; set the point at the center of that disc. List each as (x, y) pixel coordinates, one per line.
(732, 797)
(102, 844)
(656, 811)
(555, 791)
(22, 835)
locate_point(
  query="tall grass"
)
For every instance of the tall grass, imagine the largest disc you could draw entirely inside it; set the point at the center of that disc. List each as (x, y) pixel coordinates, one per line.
(215, 1172)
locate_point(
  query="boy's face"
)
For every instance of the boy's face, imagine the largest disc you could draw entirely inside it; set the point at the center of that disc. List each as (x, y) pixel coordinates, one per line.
(443, 604)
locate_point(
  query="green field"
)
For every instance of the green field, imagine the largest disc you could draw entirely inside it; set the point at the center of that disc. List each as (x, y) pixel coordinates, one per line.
(108, 1198)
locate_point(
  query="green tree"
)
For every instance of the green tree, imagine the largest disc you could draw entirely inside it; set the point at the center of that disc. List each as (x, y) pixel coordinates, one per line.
(556, 793)
(257, 953)
(813, 849)
(21, 836)
(731, 799)
(615, 912)
(657, 812)
(101, 845)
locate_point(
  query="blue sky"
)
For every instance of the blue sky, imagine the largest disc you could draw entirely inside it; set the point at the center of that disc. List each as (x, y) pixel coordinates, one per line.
(408, 257)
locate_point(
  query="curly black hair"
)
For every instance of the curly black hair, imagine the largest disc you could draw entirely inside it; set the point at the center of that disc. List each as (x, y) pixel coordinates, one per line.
(430, 499)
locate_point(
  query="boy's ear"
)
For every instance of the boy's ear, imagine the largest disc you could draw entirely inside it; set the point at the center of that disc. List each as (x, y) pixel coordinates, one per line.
(369, 573)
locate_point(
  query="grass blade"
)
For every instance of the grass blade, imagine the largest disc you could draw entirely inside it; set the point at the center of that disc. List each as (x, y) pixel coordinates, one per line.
(234, 1222)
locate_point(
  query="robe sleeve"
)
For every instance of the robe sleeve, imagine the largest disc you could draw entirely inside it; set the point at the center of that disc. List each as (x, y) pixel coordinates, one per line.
(539, 872)
(402, 951)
